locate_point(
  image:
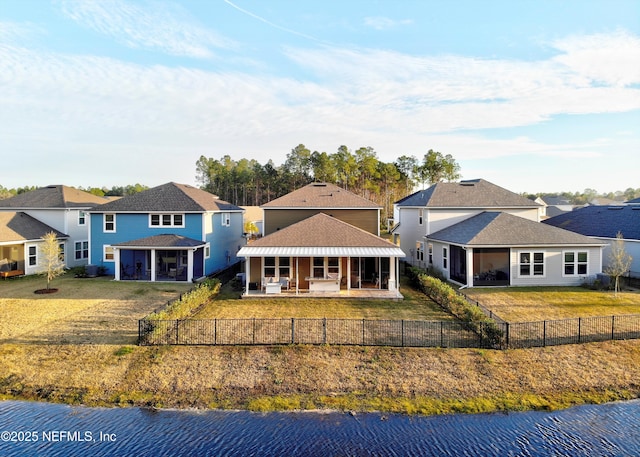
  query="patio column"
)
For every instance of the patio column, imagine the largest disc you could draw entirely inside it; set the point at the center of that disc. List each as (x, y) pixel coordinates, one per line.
(392, 273)
(247, 273)
(348, 272)
(153, 265)
(116, 262)
(469, 252)
(190, 264)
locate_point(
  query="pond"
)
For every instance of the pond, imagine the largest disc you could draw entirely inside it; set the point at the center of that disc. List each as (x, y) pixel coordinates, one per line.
(58, 430)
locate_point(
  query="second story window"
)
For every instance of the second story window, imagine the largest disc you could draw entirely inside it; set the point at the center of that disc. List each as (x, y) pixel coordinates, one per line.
(166, 220)
(81, 218)
(109, 222)
(226, 219)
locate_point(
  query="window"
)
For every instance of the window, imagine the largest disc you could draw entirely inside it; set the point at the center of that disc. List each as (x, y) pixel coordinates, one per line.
(81, 249)
(419, 251)
(430, 254)
(318, 267)
(226, 219)
(284, 267)
(420, 216)
(166, 220)
(109, 254)
(445, 258)
(269, 267)
(81, 218)
(531, 263)
(207, 251)
(33, 256)
(333, 267)
(109, 222)
(61, 250)
(576, 263)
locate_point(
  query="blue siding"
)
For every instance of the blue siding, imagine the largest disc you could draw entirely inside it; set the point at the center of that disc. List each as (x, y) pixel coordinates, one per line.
(225, 242)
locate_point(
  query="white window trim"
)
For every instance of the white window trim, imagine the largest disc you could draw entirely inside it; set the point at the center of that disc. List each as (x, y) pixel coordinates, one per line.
(445, 258)
(532, 264)
(108, 248)
(420, 217)
(82, 218)
(226, 219)
(34, 255)
(61, 248)
(81, 250)
(207, 250)
(575, 263)
(160, 220)
(104, 222)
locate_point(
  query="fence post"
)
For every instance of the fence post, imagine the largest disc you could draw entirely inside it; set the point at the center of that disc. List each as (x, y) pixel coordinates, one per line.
(579, 328)
(293, 330)
(613, 321)
(324, 330)
(215, 332)
(402, 332)
(363, 332)
(544, 333)
(441, 334)
(177, 329)
(140, 332)
(507, 336)
(254, 331)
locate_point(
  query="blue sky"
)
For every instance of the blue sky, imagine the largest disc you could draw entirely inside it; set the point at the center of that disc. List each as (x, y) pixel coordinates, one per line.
(533, 95)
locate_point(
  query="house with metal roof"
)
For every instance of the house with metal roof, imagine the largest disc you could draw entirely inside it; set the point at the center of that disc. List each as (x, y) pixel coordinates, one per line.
(324, 255)
(604, 223)
(21, 236)
(495, 248)
(172, 232)
(62, 209)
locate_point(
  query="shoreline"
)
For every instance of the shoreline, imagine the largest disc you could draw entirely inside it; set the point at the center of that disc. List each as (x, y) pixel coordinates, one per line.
(321, 378)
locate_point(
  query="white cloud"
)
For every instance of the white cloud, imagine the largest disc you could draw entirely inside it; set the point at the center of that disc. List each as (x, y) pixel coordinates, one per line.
(385, 23)
(165, 27)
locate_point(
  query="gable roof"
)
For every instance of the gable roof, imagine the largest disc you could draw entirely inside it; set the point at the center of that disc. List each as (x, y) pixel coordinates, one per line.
(163, 241)
(56, 196)
(473, 193)
(20, 227)
(601, 221)
(170, 197)
(495, 228)
(320, 195)
(321, 234)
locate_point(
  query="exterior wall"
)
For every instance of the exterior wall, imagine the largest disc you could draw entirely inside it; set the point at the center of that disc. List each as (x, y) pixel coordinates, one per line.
(366, 219)
(65, 221)
(225, 241)
(132, 227)
(553, 267)
(410, 231)
(631, 247)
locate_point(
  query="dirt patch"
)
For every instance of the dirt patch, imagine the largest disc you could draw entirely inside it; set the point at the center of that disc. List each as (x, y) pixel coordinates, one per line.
(45, 291)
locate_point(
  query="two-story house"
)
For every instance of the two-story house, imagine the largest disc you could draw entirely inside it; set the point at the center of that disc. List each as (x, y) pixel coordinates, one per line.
(59, 209)
(173, 232)
(479, 234)
(321, 239)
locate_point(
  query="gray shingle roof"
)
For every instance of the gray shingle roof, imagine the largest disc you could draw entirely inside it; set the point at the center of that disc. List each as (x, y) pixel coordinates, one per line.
(53, 197)
(20, 227)
(170, 197)
(601, 221)
(494, 228)
(163, 241)
(320, 195)
(475, 193)
(322, 230)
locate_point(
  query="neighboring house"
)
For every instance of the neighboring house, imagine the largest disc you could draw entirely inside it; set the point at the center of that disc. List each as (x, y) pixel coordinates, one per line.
(173, 232)
(64, 209)
(604, 223)
(554, 205)
(321, 197)
(499, 249)
(321, 238)
(20, 241)
(444, 204)
(479, 234)
(321, 254)
(253, 214)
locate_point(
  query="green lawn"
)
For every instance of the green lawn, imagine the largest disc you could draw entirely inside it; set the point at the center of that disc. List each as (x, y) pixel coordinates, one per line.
(523, 304)
(415, 306)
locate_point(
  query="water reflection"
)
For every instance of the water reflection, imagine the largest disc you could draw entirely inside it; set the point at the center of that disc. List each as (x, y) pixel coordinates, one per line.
(58, 430)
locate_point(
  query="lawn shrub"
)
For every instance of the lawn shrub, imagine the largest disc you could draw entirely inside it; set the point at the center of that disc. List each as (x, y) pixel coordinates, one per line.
(189, 302)
(457, 305)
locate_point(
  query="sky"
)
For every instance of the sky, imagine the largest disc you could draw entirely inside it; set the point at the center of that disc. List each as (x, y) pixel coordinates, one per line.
(532, 95)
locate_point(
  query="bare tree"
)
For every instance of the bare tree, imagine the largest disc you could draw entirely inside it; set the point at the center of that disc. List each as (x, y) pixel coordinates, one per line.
(51, 256)
(619, 262)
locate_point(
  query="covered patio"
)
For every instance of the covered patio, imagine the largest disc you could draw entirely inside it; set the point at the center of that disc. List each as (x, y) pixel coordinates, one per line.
(323, 256)
(159, 258)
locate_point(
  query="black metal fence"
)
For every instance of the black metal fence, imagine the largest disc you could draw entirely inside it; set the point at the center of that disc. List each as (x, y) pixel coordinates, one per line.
(359, 332)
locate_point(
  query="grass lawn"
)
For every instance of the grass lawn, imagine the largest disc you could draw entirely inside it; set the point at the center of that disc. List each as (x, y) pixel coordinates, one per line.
(91, 310)
(525, 304)
(415, 306)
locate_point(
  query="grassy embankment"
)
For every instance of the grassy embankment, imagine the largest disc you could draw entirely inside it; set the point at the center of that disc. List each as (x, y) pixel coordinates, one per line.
(79, 347)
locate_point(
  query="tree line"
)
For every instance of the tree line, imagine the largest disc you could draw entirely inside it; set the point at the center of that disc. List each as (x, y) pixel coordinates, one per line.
(247, 182)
